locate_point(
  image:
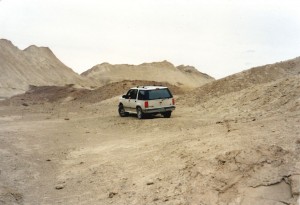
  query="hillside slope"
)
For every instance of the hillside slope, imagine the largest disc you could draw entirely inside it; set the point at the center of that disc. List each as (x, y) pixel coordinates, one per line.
(246, 79)
(163, 71)
(31, 66)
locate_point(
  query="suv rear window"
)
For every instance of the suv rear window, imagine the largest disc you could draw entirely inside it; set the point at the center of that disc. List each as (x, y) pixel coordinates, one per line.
(154, 94)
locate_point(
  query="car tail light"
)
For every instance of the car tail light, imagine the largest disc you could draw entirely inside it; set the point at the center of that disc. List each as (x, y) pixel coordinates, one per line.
(173, 101)
(146, 104)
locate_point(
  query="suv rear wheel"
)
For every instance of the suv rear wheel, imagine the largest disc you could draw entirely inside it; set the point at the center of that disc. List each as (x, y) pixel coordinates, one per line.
(140, 113)
(167, 114)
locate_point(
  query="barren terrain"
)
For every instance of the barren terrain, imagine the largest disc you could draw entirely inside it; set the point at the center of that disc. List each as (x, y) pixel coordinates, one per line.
(230, 141)
(240, 147)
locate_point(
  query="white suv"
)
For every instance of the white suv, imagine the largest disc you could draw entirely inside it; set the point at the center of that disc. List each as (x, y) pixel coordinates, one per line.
(143, 100)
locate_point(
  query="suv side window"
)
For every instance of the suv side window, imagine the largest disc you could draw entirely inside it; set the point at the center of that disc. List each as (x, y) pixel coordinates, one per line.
(132, 94)
(128, 94)
(142, 95)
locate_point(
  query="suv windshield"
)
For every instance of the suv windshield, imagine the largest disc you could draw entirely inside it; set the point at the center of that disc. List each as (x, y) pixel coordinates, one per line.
(154, 94)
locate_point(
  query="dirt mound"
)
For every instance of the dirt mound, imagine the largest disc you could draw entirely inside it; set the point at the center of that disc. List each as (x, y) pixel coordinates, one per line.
(157, 71)
(255, 102)
(275, 97)
(32, 66)
(246, 79)
(119, 88)
(52, 94)
(43, 94)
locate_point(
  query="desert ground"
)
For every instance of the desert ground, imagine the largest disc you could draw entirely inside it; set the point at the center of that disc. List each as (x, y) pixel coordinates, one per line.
(239, 148)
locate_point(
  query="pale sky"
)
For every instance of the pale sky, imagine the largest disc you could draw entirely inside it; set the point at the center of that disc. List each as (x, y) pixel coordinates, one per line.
(218, 37)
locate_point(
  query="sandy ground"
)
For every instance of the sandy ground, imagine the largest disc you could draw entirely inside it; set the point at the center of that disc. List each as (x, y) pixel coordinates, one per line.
(85, 153)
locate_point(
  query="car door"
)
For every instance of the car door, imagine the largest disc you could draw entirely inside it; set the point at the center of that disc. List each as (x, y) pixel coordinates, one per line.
(132, 100)
(126, 100)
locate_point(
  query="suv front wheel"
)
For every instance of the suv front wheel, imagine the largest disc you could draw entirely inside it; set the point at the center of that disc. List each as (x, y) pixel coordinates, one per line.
(122, 112)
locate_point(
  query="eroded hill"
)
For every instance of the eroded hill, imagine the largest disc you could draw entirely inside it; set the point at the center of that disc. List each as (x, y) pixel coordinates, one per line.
(186, 76)
(32, 66)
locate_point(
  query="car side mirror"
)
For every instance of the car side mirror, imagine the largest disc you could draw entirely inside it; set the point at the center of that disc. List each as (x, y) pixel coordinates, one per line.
(124, 96)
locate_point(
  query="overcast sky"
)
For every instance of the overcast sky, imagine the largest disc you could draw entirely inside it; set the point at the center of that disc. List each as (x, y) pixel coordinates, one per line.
(218, 37)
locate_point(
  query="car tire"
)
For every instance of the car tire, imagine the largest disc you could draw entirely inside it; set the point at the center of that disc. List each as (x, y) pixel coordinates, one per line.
(167, 114)
(140, 113)
(122, 112)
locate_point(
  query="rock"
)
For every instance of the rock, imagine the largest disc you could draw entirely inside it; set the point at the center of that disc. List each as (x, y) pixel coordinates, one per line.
(60, 186)
(112, 194)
